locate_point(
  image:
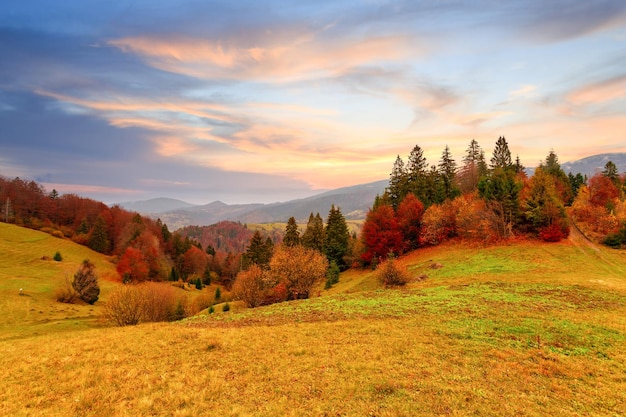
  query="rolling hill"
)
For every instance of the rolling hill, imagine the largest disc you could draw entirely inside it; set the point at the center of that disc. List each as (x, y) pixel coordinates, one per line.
(522, 328)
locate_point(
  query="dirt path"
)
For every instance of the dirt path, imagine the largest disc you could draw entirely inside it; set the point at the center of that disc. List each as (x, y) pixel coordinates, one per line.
(612, 264)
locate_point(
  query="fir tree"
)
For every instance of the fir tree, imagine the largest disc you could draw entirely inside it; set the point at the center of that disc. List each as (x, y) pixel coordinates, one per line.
(292, 235)
(337, 237)
(417, 173)
(501, 155)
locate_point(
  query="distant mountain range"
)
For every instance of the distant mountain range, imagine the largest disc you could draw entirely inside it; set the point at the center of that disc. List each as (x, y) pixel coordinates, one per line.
(354, 201)
(593, 164)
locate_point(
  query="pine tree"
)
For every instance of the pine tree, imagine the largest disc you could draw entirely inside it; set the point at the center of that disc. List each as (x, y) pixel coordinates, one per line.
(501, 155)
(397, 182)
(337, 237)
(562, 184)
(292, 235)
(417, 173)
(447, 173)
(519, 168)
(482, 165)
(314, 234)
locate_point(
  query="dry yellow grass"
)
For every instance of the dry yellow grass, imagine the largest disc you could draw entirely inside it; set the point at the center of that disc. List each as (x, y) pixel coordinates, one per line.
(530, 330)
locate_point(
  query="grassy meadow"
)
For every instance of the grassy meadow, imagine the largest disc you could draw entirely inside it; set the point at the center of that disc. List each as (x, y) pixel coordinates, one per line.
(525, 329)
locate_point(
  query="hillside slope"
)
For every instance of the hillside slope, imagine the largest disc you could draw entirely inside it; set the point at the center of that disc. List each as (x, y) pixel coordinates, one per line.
(26, 263)
(525, 328)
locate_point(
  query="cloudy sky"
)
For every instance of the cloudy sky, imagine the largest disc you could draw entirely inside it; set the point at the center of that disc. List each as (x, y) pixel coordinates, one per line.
(262, 101)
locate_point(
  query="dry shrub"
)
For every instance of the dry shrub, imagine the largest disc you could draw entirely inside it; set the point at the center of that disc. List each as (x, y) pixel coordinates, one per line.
(250, 286)
(147, 302)
(201, 302)
(298, 268)
(66, 293)
(391, 274)
(159, 301)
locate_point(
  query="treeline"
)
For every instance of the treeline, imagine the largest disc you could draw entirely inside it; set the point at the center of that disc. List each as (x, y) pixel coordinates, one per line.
(273, 273)
(486, 201)
(144, 248)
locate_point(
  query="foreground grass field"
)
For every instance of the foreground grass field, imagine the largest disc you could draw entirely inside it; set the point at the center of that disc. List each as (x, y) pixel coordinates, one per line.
(526, 329)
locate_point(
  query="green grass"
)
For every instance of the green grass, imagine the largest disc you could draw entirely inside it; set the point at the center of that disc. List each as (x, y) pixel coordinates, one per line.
(527, 329)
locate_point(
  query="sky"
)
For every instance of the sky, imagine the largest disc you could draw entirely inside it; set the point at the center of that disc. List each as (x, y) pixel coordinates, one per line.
(272, 100)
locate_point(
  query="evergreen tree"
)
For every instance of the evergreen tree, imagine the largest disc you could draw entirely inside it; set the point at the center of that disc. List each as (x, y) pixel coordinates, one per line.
(469, 172)
(610, 171)
(258, 252)
(397, 182)
(482, 165)
(314, 234)
(292, 235)
(576, 181)
(519, 168)
(447, 174)
(99, 238)
(562, 184)
(432, 191)
(417, 173)
(501, 155)
(337, 237)
(501, 190)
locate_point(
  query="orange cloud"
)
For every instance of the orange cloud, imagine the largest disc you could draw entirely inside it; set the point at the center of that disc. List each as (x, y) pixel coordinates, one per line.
(285, 60)
(601, 92)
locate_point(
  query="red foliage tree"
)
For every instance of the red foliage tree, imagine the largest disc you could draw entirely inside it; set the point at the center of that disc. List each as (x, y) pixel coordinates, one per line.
(602, 191)
(381, 234)
(132, 266)
(409, 215)
(195, 262)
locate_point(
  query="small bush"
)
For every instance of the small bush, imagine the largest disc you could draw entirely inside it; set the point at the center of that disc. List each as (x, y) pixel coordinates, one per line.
(58, 257)
(226, 307)
(86, 282)
(58, 234)
(211, 309)
(218, 294)
(391, 274)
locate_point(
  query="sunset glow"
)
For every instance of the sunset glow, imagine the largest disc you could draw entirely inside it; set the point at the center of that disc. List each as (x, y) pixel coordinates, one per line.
(270, 101)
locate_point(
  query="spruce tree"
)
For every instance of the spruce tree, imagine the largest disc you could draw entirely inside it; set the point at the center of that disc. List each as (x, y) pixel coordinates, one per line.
(397, 182)
(337, 237)
(501, 155)
(447, 173)
(417, 173)
(292, 235)
(314, 234)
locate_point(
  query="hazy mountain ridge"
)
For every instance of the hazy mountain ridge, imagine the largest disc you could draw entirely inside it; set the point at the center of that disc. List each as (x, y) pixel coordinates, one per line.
(155, 205)
(354, 201)
(591, 165)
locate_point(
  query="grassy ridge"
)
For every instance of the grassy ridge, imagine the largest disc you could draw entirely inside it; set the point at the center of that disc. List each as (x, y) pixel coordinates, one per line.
(528, 329)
